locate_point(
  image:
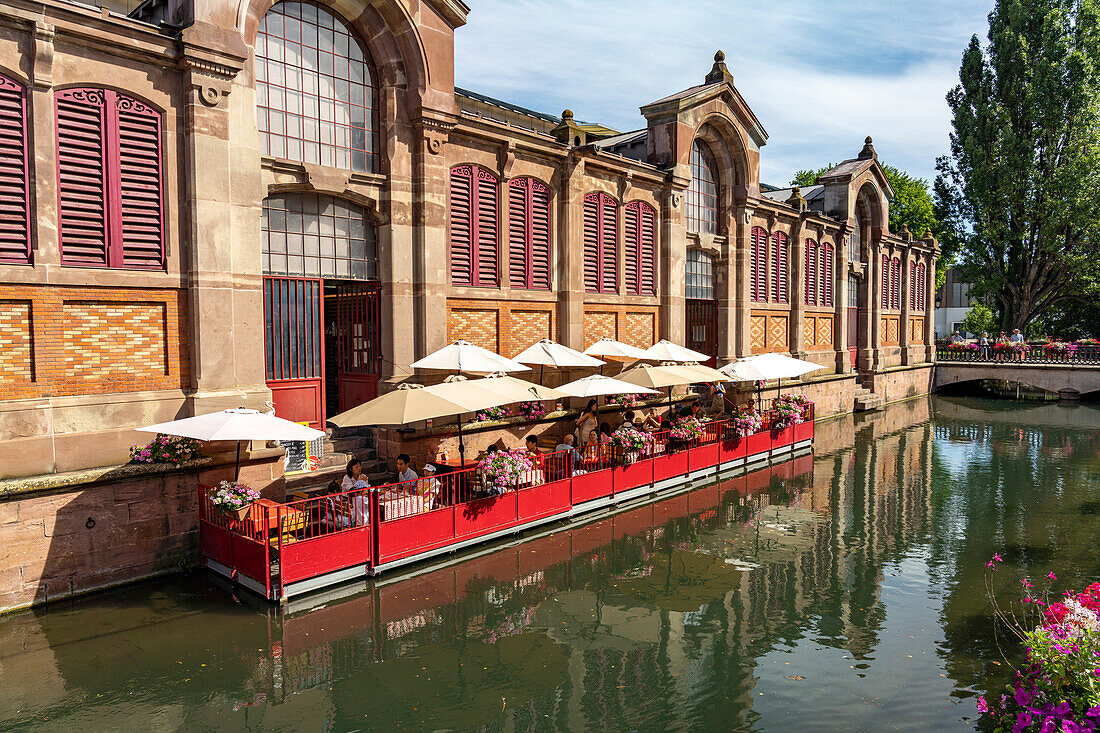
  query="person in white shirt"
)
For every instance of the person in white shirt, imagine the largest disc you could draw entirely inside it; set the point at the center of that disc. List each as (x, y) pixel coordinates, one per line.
(404, 470)
(430, 487)
(349, 511)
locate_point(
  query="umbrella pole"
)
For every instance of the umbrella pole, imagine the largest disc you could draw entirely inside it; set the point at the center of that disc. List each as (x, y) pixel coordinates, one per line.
(461, 446)
(542, 369)
(237, 472)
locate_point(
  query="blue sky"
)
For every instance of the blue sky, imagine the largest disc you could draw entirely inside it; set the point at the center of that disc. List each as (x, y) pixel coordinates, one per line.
(820, 74)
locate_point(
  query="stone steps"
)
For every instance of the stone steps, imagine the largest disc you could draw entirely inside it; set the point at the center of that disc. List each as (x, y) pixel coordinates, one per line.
(867, 400)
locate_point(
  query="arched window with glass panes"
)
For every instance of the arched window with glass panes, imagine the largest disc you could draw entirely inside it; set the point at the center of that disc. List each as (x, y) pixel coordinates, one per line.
(702, 193)
(699, 283)
(316, 99)
(317, 236)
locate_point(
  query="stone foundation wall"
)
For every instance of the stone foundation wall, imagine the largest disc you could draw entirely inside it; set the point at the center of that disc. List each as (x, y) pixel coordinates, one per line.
(130, 523)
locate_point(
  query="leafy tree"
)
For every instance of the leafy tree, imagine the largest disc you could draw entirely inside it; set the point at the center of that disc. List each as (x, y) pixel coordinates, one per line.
(1024, 170)
(912, 205)
(981, 318)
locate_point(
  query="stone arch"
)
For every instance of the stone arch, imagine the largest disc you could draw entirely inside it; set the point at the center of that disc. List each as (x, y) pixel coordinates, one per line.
(370, 205)
(872, 207)
(727, 144)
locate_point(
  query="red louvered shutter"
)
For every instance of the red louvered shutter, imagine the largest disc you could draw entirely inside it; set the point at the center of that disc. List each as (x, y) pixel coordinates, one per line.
(609, 236)
(922, 284)
(462, 225)
(14, 209)
(647, 226)
(487, 224)
(528, 234)
(827, 276)
(592, 243)
(811, 272)
(758, 267)
(885, 282)
(82, 176)
(779, 267)
(139, 184)
(631, 255)
(895, 284)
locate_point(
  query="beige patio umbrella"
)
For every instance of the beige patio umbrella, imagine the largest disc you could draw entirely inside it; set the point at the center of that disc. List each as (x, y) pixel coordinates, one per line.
(462, 356)
(664, 375)
(665, 350)
(609, 348)
(408, 403)
(545, 352)
(598, 385)
(762, 367)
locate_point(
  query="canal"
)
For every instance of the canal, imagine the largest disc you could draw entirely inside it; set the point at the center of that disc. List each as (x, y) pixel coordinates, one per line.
(841, 590)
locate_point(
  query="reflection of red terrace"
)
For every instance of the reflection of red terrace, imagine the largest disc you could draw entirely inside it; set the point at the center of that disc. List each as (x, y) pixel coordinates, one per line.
(447, 585)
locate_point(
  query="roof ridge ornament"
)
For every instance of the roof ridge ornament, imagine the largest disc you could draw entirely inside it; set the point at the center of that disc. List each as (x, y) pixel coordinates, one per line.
(796, 200)
(868, 151)
(719, 72)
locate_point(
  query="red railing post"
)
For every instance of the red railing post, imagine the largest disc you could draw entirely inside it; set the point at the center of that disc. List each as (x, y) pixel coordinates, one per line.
(267, 552)
(279, 535)
(375, 527)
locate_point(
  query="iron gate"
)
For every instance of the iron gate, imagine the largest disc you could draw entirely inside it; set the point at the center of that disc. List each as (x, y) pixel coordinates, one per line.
(702, 327)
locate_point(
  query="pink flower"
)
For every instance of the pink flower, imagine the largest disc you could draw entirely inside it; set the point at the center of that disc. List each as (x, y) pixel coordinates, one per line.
(1052, 576)
(983, 707)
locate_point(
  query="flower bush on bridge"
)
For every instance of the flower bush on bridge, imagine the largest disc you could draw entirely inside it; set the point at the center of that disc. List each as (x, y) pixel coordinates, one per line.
(629, 439)
(686, 428)
(1059, 348)
(1058, 686)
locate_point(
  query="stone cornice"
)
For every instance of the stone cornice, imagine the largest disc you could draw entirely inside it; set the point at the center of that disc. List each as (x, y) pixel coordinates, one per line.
(452, 11)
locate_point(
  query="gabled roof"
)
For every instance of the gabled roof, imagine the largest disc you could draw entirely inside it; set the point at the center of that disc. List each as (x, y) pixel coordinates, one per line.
(848, 169)
(810, 193)
(626, 138)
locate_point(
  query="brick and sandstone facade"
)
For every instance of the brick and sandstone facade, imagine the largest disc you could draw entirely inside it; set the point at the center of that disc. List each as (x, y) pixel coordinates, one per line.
(206, 205)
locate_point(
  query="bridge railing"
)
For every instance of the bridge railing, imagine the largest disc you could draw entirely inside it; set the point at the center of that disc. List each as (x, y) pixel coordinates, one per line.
(1035, 353)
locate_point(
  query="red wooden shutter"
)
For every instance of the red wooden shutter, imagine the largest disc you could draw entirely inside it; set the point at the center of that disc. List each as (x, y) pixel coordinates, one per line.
(631, 255)
(921, 287)
(758, 267)
(462, 225)
(139, 184)
(609, 239)
(811, 273)
(895, 284)
(885, 282)
(14, 209)
(779, 267)
(487, 224)
(528, 234)
(592, 243)
(82, 176)
(827, 269)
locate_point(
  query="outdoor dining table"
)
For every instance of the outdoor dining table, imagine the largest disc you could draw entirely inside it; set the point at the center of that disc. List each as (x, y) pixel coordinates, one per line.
(255, 518)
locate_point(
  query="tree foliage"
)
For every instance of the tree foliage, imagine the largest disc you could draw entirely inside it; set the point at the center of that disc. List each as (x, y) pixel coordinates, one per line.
(1024, 171)
(980, 319)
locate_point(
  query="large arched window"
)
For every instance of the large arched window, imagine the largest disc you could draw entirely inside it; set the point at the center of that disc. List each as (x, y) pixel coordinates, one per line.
(109, 180)
(855, 240)
(700, 276)
(601, 257)
(528, 234)
(702, 192)
(311, 235)
(780, 266)
(315, 92)
(758, 275)
(640, 261)
(474, 208)
(15, 241)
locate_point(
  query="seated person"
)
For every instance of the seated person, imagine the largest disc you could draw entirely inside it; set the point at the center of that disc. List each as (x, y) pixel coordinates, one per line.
(532, 446)
(342, 512)
(353, 476)
(533, 452)
(405, 473)
(650, 420)
(430, 488)
(605, 433)
(591, 451)
(629, 418)
(570, 461)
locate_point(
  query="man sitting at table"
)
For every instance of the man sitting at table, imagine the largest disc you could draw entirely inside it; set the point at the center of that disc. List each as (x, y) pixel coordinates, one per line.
(404, 470)
(569, 461)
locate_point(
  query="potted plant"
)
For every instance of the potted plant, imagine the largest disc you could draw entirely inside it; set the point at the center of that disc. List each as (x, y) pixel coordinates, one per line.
(684, 430)
(786, 411)
(234, 498)
(170, 449)
(625, 400)
(504, 470)
(747, 421)
(532, 410)
(491, 414)
(630, 442)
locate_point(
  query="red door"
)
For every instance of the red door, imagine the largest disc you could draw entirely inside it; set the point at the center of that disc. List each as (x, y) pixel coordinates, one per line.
(702, 327)
(293, 344)
(358, 327)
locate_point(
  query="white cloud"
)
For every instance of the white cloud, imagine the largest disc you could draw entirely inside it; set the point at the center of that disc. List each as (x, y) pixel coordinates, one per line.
(820, 76)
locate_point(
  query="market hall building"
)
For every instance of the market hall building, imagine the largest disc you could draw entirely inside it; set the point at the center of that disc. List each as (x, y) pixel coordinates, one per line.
(206, 205)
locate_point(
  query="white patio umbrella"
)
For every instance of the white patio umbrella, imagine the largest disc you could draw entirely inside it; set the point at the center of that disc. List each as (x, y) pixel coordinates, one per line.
(665, 350)
(663, 375)
(706, 373)
(762, 367)
(408, 403)
(238, 423)
(598, 385)
(545, 352)
(611, 349)
(462, 356)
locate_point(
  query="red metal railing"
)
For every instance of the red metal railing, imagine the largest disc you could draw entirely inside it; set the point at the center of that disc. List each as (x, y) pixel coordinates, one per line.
(278, 544)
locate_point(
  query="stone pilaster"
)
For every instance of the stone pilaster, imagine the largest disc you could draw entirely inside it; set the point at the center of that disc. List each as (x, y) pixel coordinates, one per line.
(728, 275)
(741, 264)
(795, 338)
(43, 145)
(431, 264)
(870, 310)
(906, 312)
(840, 303)
(930, 302)
(673, 259)
(570, 247)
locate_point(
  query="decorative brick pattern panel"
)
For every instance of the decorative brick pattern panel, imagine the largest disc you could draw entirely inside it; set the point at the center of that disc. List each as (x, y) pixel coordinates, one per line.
(105, 340)
(641, 330)
(16, 342)
(758, 330)
(76, 341)
(824, 332)
(777, 333)
(479, 327)
(504, 326)
(916, 330)
(809, 332)
(524, 329)
(600, 324)
(889, 328)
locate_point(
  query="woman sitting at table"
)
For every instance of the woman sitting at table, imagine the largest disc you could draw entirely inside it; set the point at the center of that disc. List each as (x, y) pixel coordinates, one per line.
(430, 488)
(343, 511)
(592, 450)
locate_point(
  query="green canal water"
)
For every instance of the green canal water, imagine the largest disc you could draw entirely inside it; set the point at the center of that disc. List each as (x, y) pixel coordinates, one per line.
(842, 590)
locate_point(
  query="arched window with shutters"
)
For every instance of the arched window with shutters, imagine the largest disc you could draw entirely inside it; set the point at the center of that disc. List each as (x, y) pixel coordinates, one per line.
(109, 171)
(640, 261)
(895, 283)
(780, 268)
(912, 285)
(528, 234)
(15, 241)
(812, 262)
(758, 275)
(601, 257)
(473, 226)
(921, 286)
(315, 89)
(826, 270)
(885, 276)
(702, 193)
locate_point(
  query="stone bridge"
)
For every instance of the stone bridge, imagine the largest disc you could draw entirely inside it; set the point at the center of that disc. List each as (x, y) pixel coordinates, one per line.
(1067, 380)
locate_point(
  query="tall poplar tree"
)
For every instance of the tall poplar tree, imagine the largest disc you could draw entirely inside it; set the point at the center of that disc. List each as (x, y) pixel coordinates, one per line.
(1023, 177)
